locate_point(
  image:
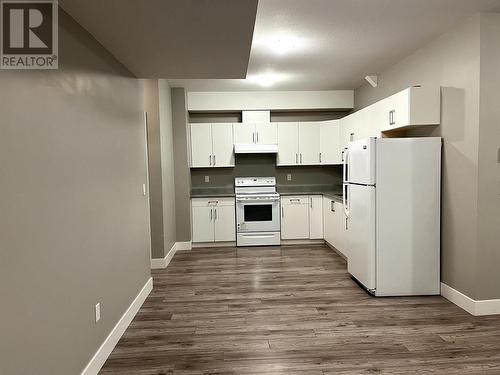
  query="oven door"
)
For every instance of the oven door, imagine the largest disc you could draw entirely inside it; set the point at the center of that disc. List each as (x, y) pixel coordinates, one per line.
(258, 214)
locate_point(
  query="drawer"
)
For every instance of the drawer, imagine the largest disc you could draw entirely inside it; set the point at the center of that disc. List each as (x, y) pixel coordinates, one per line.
(295, 199)
(207, 202)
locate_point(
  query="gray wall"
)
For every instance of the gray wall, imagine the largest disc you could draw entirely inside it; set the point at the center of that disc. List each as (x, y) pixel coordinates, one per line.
(74, 223)
(488, 273)
(152, 106)
(181, 166)
(452, 61)
(167, 166)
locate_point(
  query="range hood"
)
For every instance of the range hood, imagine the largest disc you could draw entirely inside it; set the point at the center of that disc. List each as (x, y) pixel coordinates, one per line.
(252, 148)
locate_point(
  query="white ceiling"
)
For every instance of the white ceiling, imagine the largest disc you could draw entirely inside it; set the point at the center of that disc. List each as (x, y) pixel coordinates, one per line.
(172, 38)
(336, 43)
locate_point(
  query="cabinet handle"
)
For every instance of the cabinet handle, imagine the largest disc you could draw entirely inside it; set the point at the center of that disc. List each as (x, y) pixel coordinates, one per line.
(301, 158)
(210, 160)
(214, 159)
(282, 212)
(320, 157)
(311, 202)
(391, 117)
(215, 214)
(257, 137)
(343, 152)
(253, 137)
(346, 225)
(351, 137)
(211, 214)
(332, 208)
(296, 158)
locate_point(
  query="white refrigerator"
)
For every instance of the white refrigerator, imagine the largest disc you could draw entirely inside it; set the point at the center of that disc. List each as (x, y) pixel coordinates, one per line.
(392, 190)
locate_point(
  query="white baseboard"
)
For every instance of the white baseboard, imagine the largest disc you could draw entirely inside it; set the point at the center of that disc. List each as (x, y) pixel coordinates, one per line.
(102, 354)
(157, 263)
(183, 245)
(473, 307)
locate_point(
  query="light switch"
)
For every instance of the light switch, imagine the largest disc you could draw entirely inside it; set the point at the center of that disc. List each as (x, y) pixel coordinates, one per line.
(144, 189)
(98, 312)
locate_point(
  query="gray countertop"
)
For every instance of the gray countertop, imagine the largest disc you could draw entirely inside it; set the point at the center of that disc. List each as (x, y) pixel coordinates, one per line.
(325, 190)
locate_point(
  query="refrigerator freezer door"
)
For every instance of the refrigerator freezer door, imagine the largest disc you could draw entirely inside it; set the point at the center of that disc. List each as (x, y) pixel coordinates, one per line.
(361, 162)
(361, 234)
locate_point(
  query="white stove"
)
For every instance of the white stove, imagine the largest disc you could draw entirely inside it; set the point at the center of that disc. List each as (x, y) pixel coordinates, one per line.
(257, 211)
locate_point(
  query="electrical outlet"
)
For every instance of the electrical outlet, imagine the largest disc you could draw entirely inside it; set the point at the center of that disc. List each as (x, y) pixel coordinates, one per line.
(289, 177)
(98, 312)
(207, 178)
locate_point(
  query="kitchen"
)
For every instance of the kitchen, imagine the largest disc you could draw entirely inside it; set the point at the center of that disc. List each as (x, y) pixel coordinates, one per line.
(258, 211)
(251, 187)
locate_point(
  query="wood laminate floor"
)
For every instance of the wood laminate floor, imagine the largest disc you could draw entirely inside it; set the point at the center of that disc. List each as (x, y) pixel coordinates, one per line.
(294, 310)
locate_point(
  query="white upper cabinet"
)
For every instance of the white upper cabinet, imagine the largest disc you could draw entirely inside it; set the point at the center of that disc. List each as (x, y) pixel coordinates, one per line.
(329, 143)
(288, 143)
(211, 145)
(222, 145)
(256, 133)
(415, 106)
(201, 145)
(266, 133)
(309, 136)
(244, 133)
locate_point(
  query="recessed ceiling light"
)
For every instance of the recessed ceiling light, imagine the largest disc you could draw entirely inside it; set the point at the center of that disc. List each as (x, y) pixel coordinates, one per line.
(281, 43)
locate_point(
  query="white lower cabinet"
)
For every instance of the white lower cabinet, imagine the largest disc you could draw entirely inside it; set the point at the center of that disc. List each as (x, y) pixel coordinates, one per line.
(316, 217)
(334, 225)
(301, 217)
(213, 220)
(295, 218)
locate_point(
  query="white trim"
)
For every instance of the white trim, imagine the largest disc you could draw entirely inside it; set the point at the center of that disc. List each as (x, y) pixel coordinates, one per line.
(157, 263)
(302, 242)
(102, 354)
(179, 246)
(473, 307)
(199, 245)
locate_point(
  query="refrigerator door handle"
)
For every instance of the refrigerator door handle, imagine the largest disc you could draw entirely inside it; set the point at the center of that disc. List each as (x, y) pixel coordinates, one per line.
(344, 165)
(344, 200)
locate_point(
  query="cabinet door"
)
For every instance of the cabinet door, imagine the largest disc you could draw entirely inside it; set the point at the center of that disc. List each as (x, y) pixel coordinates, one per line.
(295, 220)
(223, 148)
(316, 217)
(329, 144)
(347, 130)
(401, 107)
(244, 133)
(288, 143)
(327, 220)
(266, 133)
(339, 236)
(203, 223)
(309, 134)
(201, 145)
(224, 218)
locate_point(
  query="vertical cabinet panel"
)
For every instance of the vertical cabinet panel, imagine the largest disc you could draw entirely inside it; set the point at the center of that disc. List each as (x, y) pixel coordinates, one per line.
(288, 143)
(267, 133)
(201, 145)
(309, 135)
(202, 223)
(330, 142)
(315, 217)
(222, 140)
(224, 218)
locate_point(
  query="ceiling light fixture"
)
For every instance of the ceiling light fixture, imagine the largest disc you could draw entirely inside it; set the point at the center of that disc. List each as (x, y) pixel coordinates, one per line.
(266, 79)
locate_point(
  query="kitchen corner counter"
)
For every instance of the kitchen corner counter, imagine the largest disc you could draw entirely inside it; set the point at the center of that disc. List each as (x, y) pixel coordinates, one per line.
(212, 193)
(326, 191)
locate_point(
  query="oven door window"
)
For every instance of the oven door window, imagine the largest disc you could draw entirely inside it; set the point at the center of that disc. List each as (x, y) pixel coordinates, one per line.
(258, 212)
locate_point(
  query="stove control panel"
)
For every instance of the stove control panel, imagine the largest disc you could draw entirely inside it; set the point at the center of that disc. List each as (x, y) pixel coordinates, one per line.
(254, 181)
